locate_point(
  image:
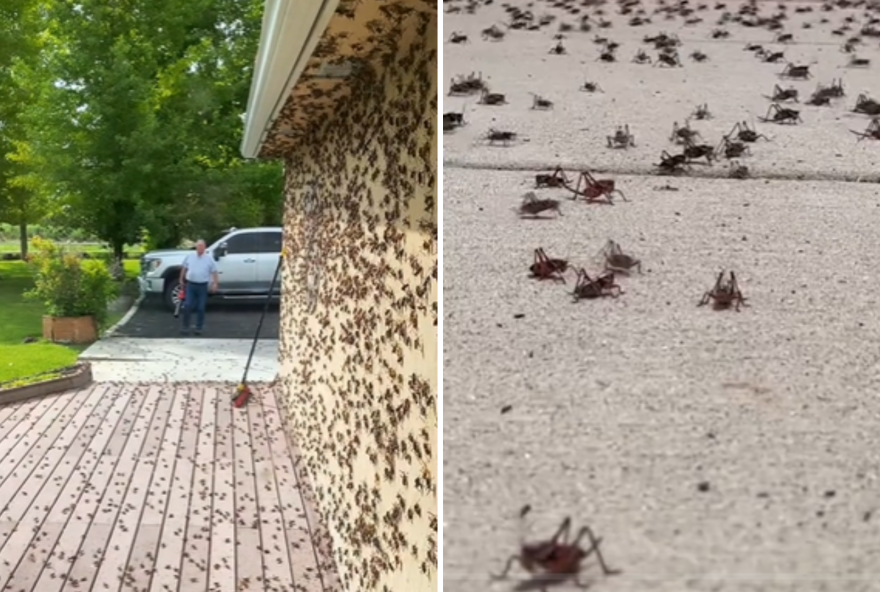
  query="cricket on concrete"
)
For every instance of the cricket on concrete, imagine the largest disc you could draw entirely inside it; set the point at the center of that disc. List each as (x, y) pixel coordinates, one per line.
(659, 305)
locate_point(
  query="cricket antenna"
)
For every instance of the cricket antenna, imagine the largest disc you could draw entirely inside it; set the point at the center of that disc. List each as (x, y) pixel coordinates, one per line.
(523, 512)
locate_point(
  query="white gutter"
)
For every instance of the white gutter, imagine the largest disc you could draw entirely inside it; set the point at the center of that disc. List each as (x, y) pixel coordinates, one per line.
(290, 33)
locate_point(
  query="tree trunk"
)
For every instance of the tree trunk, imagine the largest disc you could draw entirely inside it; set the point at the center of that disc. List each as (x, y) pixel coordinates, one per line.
(117, 267)
(118, 251)
(23, 239)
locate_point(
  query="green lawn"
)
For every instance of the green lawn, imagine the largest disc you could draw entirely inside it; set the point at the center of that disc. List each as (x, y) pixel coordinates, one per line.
(94, 249)
(22, 318)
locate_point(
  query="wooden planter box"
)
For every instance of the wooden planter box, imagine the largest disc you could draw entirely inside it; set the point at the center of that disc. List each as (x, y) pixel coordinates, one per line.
(70, 329)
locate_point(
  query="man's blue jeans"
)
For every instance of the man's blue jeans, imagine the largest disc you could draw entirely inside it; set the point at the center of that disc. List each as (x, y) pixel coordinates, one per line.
(196, 300)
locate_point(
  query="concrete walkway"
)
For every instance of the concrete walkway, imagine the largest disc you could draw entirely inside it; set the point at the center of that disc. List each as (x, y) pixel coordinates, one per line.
(128, 359)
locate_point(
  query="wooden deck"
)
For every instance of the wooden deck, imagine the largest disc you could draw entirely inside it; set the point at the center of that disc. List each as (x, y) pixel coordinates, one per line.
(151, 488)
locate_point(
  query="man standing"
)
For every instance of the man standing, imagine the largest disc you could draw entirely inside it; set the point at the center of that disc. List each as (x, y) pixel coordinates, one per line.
(198, 269)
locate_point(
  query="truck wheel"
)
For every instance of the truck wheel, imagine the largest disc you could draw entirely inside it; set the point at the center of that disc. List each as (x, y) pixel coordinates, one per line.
(172, 293)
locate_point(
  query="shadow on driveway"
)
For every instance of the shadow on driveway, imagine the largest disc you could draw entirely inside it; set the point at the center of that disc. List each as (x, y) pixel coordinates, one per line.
(223, 320)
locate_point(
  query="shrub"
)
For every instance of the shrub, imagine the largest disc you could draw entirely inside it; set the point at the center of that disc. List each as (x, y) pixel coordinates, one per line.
(67, 285)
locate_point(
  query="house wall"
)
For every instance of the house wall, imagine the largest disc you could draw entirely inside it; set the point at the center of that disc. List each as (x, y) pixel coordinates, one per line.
(359, 320)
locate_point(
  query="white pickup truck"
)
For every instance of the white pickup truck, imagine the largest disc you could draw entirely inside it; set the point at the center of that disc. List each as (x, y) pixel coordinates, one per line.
(246, 261)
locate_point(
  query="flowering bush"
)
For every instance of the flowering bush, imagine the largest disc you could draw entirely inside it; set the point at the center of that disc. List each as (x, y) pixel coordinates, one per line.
(67, 285)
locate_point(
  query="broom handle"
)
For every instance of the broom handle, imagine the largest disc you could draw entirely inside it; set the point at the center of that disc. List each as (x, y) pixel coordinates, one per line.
(262, 317)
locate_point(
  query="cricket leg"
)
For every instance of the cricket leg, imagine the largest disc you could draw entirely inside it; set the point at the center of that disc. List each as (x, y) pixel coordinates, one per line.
(594, 548)
(513, 559)
(563, 531)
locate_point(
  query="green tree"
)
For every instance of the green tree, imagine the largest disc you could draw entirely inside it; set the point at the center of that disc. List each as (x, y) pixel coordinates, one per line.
(84, 109)
(202, 92)
(136, 118)
(22, 202)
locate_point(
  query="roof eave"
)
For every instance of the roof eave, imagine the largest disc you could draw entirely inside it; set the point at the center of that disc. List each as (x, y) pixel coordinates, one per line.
(286, 44)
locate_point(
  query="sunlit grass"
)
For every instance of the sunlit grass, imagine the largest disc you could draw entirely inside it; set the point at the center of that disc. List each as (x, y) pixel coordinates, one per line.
(21, 319)
(93, 249)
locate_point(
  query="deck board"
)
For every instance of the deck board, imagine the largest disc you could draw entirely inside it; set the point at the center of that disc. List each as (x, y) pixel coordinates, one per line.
(249, 559)
(24, 436)
(47, 482)
(170, 559)
(29, 502)
(249, 572)
(145, 551)
(132, 479)
(297, 538)
(13, 428)
(9, 411)
(74, 509)
(124, 446)
(150, 488)
(197, 549)
(10, 415)
(276, 562)
(221, 575)
(274, 541)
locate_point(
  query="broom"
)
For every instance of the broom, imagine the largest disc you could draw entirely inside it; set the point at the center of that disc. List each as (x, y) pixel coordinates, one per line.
(243, 391)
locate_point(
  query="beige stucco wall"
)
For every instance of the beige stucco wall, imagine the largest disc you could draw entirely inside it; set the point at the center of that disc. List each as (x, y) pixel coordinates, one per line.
(359, 320)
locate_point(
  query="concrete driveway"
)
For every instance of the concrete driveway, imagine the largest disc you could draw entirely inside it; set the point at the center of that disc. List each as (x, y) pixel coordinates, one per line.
(181, 359)
(148, 347)
(223, 321)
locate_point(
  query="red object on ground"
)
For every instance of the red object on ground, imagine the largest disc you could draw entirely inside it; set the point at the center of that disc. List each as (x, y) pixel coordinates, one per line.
(241, 399)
